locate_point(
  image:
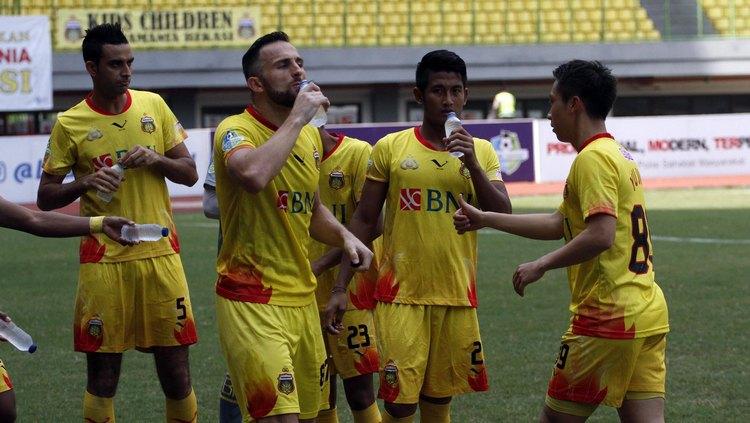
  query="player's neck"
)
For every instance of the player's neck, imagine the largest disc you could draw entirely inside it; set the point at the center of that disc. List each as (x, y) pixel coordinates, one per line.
(434, 134)
(110, 103)
(587, 128)
(273, 112)
(329, 142)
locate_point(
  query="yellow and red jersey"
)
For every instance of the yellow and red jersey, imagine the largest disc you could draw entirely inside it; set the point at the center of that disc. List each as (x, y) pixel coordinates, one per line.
(613, 295)
(424, 261)
(264, 257)
(85, 138)
(342, 176)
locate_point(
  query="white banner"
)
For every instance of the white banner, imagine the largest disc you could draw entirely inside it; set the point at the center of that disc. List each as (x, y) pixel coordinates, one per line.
(663, 146)
(25, 63)
(21, 165)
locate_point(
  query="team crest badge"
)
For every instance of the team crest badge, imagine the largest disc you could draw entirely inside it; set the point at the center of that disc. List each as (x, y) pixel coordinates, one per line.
(73, 30)
(336, 179)
(409, 163)
(94, 134)
(147, 124)
(391, 374)
(246, 27)
(464, 171)
(286, 382)
(95, 327)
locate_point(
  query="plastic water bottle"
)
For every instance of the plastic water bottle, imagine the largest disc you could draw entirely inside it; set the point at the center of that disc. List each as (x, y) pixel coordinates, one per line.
(320, 117)
(107, 196)
(144, 232)
(452, 123)
(17, 336)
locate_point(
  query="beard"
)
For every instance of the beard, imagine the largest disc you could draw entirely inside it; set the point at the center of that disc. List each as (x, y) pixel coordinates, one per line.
(282, 98)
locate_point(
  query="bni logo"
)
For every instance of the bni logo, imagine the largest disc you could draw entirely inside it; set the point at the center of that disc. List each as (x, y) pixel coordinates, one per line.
(410, 199)
(105, 160)
(282, 200)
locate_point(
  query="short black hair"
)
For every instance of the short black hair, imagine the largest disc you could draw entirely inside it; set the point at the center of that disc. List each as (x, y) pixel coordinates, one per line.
(99, 35)
(250, 63)
(589, 80)
(439, 61)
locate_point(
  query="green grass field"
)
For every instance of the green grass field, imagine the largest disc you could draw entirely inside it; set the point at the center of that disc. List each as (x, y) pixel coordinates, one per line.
(702, 253)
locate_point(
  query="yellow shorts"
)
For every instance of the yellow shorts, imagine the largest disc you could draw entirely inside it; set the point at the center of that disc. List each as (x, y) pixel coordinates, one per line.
(430, 350)
(5, 383)
(276, 358)
(592, 371)
(354, 351)
(140, 303)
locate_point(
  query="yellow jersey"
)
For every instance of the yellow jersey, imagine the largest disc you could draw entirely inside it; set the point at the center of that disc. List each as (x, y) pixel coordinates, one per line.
(342, 176)
(424, 261)
(85, 139)
(613, 295)
(263, 256)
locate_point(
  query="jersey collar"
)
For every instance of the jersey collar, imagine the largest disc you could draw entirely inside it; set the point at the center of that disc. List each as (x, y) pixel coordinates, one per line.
(265, 122)
(594, 138)
(340, 140)
(422, 139)
(128, 102)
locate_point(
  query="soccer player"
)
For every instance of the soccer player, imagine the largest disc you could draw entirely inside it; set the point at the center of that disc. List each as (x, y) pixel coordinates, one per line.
(613, 352)
(428, 332)
(267, 169)
(47, 224)
(134, 297)
(355, 356)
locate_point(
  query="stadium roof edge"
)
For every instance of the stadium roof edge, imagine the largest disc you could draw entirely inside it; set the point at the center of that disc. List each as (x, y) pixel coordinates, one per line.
(220, 68)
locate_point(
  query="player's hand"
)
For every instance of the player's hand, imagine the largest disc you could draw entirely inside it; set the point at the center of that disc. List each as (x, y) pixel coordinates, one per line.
(140, 156)
(462, 141)
(526, 274)
(105, 179)
(334, 312)
(308, 101)
(467, 217)
(5, 318)
(359, 255)
(112, 227)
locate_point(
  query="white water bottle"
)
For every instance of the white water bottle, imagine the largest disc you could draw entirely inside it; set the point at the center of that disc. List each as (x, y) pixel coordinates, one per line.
(320, 117)
(452, 123)
(107, 196)
(143, 232)
(17, 336)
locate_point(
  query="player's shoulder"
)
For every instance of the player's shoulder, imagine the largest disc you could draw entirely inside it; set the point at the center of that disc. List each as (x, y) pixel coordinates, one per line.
(357, 145)
(233, 122)
(138, 96)
(395, 137)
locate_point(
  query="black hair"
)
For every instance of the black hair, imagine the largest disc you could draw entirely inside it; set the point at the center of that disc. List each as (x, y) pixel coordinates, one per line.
(589, 80)
(99, 35)
(439, 61)
(250, 62)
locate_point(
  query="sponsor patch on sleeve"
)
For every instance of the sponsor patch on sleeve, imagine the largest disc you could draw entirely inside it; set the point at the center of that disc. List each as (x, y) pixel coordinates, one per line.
(231, 139)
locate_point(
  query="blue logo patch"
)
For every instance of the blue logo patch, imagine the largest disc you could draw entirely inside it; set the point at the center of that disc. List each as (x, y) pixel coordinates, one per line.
(231, 139)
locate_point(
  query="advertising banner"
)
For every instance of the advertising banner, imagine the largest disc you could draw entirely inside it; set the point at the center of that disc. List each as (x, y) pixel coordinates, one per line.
(513, 141)
(663, 146)
(21, 165)
(25, 63)
(165, 28)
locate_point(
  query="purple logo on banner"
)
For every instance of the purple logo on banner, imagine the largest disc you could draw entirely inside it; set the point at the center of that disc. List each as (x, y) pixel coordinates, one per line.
(513, 142)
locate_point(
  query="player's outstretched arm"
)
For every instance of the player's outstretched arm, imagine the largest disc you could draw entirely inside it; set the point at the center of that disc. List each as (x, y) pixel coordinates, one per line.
(326, 229)
(57, 225)
(598, 236)
(534, 226)
(176, 164)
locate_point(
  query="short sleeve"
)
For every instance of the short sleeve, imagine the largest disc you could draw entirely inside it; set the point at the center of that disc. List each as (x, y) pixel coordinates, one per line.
(596, 182)
(360, 171)
(489, 161)
(378, 168)
(210, 180)
(172, 131)
(230, 140)
(61, 154)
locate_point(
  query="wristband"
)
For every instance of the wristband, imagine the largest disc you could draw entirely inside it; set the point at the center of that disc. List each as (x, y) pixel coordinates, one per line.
(96, 224)
(338, 290)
